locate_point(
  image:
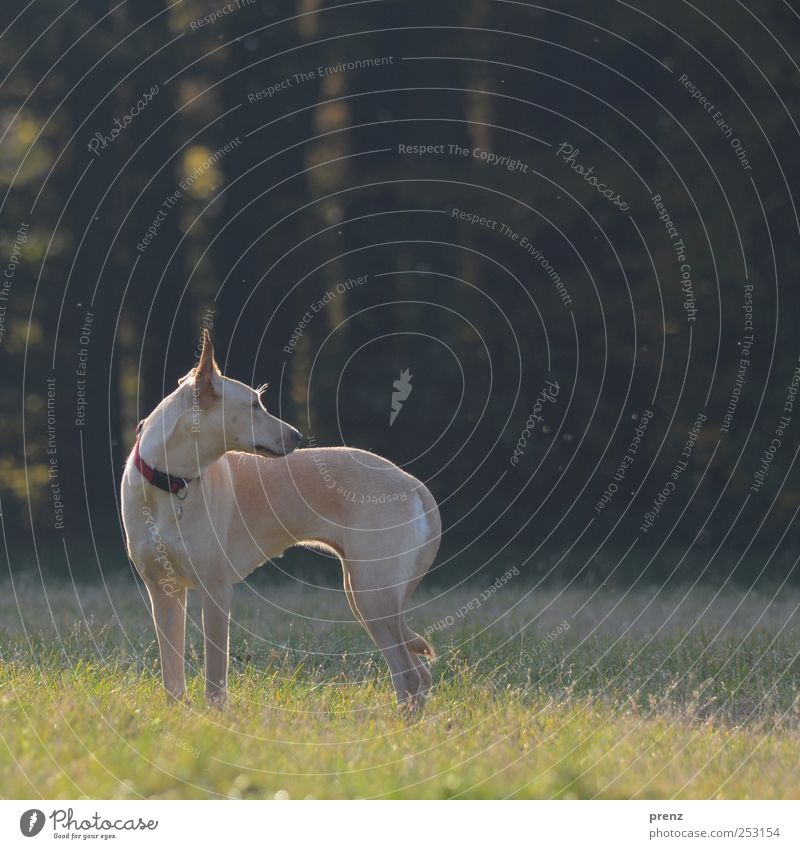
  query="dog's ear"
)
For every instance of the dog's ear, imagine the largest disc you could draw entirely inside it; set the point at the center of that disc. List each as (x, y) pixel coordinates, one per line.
(207, 364)
(206, 375)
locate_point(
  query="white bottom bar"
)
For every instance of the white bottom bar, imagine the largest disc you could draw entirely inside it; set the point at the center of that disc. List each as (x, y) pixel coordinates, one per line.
(399, 825)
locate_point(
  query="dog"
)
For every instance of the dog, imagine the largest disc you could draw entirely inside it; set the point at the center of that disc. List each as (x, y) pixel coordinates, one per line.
(216, 485)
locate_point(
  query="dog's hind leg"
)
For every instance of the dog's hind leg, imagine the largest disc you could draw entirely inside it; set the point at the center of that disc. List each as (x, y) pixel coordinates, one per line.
(379, 609)
(427, 527)
(419, 648)
(416, 644)
(216, 599)
(169, 617)
(351, 599)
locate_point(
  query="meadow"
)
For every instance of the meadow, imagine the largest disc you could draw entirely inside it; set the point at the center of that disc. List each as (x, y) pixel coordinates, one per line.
(551, 693)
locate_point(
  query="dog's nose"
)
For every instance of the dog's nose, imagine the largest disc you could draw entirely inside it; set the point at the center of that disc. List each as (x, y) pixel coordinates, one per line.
(295, 438)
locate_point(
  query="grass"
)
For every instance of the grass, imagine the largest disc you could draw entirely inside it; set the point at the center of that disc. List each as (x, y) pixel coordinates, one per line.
(645, 695)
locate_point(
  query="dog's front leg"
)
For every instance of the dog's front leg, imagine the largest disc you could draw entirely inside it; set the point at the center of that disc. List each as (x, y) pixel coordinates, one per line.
(169, 616)
(216, 625)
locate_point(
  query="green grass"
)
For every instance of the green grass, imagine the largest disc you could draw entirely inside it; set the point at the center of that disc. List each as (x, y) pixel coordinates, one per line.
(649, 695)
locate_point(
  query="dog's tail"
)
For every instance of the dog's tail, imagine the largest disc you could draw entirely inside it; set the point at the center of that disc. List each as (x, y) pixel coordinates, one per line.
(418, 644)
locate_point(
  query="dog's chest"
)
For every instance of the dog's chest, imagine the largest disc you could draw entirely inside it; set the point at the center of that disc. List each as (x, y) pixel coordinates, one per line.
(170, 541)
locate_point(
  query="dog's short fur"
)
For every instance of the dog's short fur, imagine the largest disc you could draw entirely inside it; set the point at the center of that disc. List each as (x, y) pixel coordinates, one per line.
(251, 496)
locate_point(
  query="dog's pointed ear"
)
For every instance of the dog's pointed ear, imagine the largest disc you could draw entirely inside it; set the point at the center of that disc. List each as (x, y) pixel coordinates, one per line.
(207, 364)
(206, 375)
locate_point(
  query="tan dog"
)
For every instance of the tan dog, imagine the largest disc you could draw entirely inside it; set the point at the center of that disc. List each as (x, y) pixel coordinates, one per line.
(214, 487)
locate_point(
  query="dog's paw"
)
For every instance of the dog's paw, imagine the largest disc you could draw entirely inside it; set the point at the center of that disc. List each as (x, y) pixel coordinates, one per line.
(179, 698)
(217, 700)
(412, 708)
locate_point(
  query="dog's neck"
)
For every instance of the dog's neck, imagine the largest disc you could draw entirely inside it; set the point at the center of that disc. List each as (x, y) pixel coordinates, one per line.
(167, 444)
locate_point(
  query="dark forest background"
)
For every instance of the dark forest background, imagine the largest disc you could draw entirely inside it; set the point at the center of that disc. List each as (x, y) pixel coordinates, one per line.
(313, 191)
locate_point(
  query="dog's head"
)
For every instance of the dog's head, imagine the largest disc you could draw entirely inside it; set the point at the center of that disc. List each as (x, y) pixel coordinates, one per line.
(227, 415)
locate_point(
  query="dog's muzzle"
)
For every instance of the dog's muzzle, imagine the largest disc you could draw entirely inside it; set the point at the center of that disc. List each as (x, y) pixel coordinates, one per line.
(288, 444)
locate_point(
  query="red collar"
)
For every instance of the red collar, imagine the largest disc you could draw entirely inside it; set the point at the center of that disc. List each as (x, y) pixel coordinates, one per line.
(169, 483)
